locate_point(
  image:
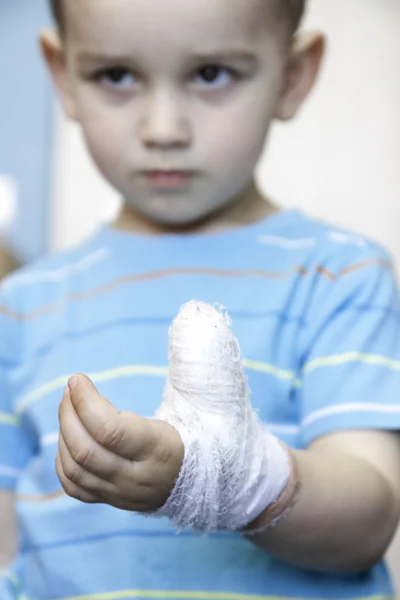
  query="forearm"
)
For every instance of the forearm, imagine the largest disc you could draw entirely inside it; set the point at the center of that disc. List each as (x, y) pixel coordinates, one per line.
(344, 518)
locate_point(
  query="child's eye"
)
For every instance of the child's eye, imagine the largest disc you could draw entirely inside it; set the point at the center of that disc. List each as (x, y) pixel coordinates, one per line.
(214, 76)
(117, 77)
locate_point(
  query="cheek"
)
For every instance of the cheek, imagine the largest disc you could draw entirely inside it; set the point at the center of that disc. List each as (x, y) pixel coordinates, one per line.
(236, 133)
(105, 129)
(232, 141)
(106, 143)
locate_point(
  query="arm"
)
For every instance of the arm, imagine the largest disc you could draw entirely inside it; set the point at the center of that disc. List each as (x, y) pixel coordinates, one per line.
(348, 506)
(8, 528)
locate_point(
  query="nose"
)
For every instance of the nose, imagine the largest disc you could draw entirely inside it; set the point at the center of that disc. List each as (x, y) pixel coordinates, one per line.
(163, 124)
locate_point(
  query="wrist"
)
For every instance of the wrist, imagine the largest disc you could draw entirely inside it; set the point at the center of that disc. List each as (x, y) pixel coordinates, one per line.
(282, 505)
(169, 452)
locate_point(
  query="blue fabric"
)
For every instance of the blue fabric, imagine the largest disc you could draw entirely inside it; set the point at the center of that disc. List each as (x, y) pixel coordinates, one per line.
(316, 312)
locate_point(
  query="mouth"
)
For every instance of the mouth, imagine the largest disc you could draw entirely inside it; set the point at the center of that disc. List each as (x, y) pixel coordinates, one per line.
(170, 178)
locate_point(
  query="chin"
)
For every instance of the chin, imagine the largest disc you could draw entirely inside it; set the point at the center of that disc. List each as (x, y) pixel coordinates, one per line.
(177, 219)
(178, 222)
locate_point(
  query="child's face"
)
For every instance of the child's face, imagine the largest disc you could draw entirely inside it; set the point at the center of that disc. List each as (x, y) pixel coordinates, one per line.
(175, 97)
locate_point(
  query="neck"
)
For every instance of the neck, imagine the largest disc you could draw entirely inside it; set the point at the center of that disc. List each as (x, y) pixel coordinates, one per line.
(248, 207)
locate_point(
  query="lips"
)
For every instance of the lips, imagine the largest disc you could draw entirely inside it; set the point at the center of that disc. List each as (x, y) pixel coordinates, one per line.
(168, 178)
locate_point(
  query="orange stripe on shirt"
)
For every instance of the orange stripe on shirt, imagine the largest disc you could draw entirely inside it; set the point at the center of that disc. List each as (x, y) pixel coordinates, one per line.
(138, 278)
(40, 498)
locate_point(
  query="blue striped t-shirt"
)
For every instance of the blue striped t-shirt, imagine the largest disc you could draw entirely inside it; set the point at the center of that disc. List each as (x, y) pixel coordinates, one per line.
(316, 312)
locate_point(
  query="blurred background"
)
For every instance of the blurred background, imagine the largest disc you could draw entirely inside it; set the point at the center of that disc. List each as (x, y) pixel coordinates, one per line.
(340, 160)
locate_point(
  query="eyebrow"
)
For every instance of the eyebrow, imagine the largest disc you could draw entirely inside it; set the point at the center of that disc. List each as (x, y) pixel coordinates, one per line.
(89, 57)
(231, 54)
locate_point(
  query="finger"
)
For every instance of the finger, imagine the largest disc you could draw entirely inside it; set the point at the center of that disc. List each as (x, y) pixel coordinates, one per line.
(84, 450)
(72, 489)
(79, 476)
(134, 499)
(204, 362)
(128, 497)
(126, 434)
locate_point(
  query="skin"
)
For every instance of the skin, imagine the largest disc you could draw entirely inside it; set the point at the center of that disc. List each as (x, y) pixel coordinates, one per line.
(157, 109)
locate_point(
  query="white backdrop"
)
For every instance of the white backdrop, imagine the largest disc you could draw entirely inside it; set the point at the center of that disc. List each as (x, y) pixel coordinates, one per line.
(340, 160)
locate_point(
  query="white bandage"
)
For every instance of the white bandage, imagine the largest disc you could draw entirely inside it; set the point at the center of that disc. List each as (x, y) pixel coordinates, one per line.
(233, 468)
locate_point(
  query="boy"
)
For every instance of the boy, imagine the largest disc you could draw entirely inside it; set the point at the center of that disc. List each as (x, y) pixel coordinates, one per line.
(175, 100)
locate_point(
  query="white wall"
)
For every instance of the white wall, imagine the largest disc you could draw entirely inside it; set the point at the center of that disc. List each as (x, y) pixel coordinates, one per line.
(340, 160)
(82, 198)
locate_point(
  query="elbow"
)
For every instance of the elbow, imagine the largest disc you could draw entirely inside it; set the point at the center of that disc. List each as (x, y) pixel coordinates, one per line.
(359, 562)
(387, 517)
(380, 531)
(364, 562)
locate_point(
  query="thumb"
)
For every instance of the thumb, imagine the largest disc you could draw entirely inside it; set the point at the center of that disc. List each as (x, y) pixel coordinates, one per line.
(205, 365)
(123, 433)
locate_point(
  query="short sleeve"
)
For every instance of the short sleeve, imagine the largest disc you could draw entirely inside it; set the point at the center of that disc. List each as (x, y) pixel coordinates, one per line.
(15, 444)
(350, 363)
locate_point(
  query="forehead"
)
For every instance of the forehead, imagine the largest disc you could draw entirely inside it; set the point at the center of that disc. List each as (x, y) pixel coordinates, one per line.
(185, 24)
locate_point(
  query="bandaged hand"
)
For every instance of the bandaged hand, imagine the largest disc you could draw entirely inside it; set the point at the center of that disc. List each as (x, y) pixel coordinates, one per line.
(206, 462)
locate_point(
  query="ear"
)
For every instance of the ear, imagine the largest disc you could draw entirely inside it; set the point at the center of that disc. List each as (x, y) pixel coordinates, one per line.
(54, 56)
(301, 73)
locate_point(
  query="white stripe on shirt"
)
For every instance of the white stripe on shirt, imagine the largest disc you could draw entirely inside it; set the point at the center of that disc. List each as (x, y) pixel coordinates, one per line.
(355, 407)
(49, 439)
(286, 243)
(9, 472)
(56, 275)
(337, 237)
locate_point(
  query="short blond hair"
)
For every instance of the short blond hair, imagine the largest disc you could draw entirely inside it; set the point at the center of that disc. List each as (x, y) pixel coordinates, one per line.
(292, 10)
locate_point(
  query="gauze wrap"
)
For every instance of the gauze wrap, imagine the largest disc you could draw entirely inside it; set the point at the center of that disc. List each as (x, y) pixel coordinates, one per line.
(233, 468)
